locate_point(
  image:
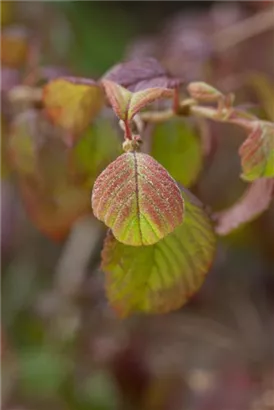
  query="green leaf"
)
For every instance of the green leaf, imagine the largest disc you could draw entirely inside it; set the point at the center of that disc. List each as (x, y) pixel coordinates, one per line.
(72, 103)
(126, 104)
(97, 147)
(178, 148)
(22, 143)
(162, 277)
(137, 198)
(257, 152)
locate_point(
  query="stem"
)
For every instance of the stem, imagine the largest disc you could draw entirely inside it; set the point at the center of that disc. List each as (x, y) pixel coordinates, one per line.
(128, 134)
(176, 100)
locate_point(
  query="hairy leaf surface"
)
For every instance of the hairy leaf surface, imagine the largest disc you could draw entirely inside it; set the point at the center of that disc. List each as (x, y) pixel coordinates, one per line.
(257, 152)
(126, 104)
(137, 198)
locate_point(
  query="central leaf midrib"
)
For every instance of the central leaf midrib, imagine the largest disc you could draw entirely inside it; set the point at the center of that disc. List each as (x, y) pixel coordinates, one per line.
(137, 196)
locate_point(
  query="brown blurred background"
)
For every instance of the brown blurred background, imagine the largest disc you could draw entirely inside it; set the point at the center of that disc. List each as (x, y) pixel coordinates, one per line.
(62, 346)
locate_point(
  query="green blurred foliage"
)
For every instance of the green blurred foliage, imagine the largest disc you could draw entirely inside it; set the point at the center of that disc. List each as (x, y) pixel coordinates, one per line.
(176, 145)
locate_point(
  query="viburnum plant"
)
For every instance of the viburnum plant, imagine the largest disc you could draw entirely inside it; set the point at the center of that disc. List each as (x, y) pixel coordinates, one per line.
(160, 240)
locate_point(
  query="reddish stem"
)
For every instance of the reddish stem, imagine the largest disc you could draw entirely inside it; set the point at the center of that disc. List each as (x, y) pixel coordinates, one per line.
(176, 101)
(128, 134)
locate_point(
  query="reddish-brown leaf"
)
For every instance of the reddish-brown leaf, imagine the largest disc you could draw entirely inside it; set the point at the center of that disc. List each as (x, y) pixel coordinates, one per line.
(118, 97)
(257, 152)
(139, 74)
(126, 104)
(137, 198)
(255, 200)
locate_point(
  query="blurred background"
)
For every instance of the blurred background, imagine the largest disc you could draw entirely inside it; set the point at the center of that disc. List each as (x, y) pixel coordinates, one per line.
(61, 345)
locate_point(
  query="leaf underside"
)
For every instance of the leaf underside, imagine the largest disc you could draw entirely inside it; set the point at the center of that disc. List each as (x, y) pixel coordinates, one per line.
(255, 200)
(162, 277)
(137, 198)
(257, 152)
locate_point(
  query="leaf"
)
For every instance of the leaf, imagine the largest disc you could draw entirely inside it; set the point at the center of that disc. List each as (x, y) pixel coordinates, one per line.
(54, 182)
(162, 277)
(14, 46)
(264, 88)
(139, 74)
(204, 92)
(257, 152)
(177, 147)
(54, 211)
(255, 200)
(23, 143)
(98, 146)
(126, 104)
(72, 103)
(137, 198)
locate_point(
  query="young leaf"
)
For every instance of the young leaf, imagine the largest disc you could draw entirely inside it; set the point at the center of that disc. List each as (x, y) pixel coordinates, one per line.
(137, 198)
(255, 200)
(177, 147)
(257, 152)
(119, 98)
(54, 182)
(144, 97)
(126, 104)
(72, 103)
(139, 74)
(162, 277)
(203, 92)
